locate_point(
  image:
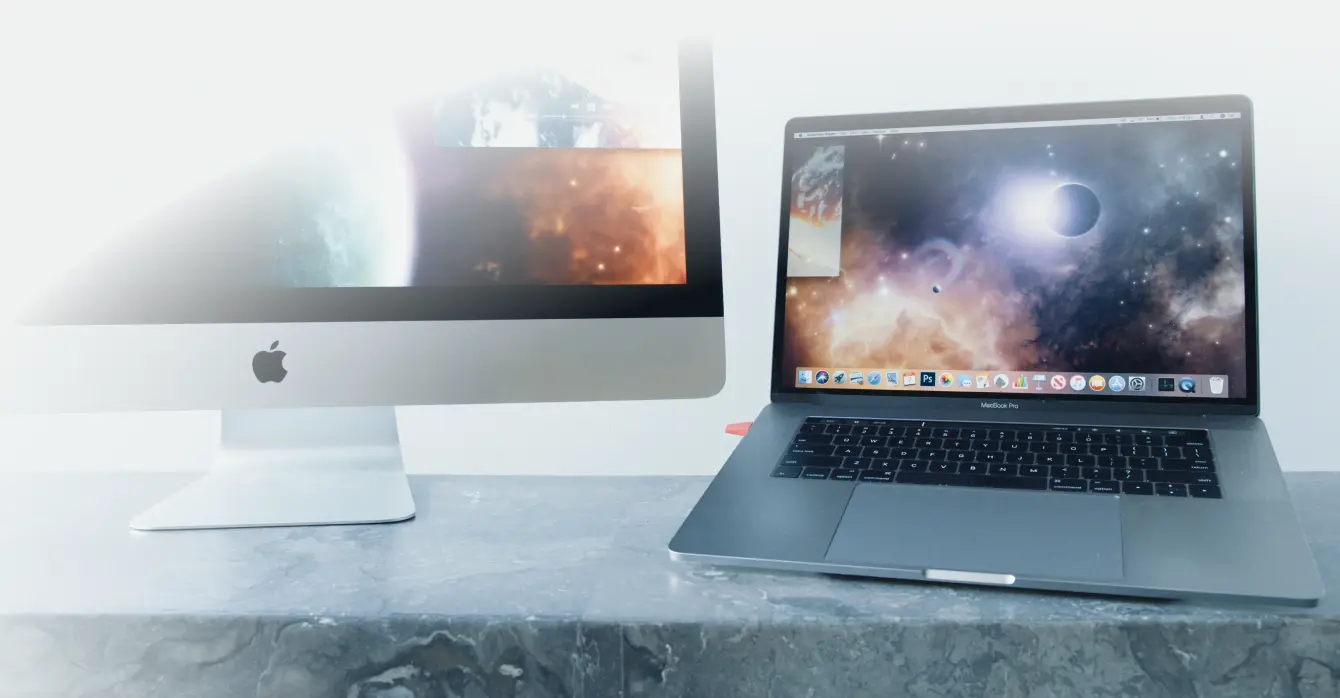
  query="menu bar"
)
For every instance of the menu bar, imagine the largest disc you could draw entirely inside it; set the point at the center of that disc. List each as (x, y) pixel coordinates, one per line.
(1019, 124)
(996, 382)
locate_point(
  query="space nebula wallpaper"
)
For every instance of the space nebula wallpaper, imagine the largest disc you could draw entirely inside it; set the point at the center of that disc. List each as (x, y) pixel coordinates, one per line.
(564, 172)
(1084, 248)
(563, 168)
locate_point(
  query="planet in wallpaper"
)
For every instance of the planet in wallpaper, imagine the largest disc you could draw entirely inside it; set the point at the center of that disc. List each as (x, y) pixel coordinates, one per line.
(560, 168)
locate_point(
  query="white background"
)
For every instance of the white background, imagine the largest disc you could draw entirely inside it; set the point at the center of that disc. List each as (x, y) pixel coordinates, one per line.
(1280, 56)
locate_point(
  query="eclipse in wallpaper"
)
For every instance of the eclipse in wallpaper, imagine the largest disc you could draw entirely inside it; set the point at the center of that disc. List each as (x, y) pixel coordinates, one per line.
(548, 167)
(1088, 248)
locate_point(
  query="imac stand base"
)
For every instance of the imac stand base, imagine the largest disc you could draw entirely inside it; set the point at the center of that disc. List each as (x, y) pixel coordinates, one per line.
(295, 467)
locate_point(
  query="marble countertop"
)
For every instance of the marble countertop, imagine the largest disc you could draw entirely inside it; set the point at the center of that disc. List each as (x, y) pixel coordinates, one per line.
(528, 586)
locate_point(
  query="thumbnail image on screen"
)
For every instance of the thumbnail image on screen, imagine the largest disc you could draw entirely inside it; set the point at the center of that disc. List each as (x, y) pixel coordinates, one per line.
(814, 234)
(561, 168)
(1098, 248)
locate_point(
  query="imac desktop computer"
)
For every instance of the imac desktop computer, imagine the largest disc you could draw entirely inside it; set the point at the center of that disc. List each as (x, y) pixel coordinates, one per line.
(535, 224)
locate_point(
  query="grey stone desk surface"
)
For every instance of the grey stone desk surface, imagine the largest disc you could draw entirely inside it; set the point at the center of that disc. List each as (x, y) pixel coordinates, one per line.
(529, 586)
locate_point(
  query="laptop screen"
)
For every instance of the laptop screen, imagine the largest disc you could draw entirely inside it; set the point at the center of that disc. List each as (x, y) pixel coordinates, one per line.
(1096, 256)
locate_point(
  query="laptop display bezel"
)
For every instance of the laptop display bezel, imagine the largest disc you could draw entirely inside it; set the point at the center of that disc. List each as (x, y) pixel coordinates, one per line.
(783, 384)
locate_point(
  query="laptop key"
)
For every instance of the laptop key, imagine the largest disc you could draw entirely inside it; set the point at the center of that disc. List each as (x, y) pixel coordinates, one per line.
(876, 476)
(1050, 459)
(1198, 453)
(1096, 473)
(816, 473)
(1169, 489)
(876, 453)
(943, 467)
(1105, 487)
(973, 468)
(787, 471)
(1128, 475)
(847, 451)
(941, 479)
(1007, 482)
(811, 450)
(1064, 484)
(815, 439)
(845, 475)
(913, 465)
(1065, 471)
(1040, 471)
(1185, 477)
(1004, 469)
(1206, 492)
(1079, 461)
(856, 463)
(1137, 488)
(1024, 458)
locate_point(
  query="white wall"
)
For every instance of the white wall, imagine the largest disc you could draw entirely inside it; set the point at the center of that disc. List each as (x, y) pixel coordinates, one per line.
(1282, 59)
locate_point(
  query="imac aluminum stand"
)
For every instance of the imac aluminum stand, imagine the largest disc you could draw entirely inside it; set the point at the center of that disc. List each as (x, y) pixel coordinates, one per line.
(295, 467)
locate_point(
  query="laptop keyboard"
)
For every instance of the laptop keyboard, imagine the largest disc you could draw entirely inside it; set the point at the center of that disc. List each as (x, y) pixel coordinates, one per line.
(1100, 460)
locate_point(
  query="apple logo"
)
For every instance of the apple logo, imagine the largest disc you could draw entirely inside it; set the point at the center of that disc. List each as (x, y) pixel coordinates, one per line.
(269, 365)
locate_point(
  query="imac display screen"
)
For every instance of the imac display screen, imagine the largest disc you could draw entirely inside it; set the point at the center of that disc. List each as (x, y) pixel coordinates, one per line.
(543, 181)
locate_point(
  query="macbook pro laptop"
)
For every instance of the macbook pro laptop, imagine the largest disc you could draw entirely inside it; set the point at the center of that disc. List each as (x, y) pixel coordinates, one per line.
(1017, 347)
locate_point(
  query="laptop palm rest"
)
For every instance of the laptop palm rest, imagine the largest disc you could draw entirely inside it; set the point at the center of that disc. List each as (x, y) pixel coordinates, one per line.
(1038, 535)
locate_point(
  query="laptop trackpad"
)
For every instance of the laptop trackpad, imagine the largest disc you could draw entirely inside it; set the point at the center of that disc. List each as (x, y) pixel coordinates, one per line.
(1038, 535)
